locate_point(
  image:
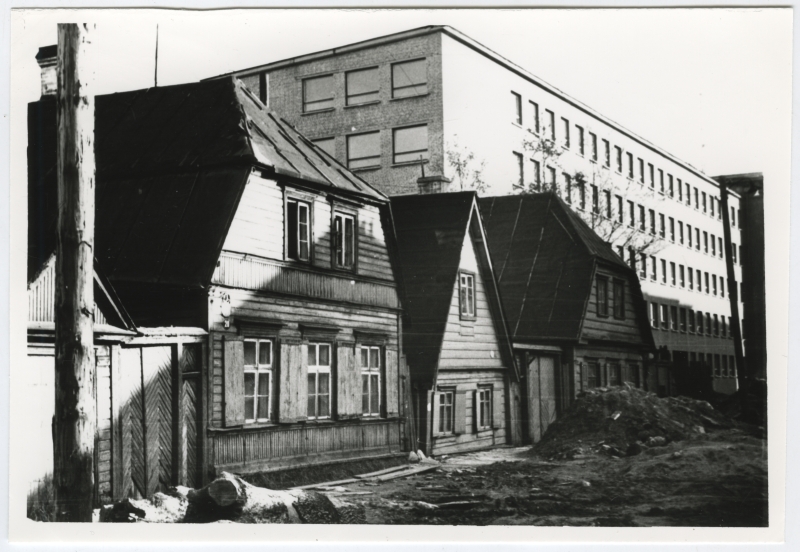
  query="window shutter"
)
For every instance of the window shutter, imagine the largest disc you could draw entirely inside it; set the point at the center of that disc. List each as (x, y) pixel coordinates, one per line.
(293, 382)
(498, 410)
(391, 375)
(433, 400)
(234, 381)
(348, 382)
(475, 411)
(460, 412)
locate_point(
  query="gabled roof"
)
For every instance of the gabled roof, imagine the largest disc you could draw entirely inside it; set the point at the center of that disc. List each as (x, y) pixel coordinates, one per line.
(430, 232)
(172, 163)
(544, 256)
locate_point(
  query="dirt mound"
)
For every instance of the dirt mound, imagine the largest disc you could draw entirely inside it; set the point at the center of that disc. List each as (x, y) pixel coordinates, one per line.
(623, 421)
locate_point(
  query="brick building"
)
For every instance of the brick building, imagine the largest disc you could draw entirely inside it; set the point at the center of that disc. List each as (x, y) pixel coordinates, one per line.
(428, 101)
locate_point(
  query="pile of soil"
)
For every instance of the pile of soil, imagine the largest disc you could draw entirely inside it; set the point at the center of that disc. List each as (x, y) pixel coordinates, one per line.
(622, 421)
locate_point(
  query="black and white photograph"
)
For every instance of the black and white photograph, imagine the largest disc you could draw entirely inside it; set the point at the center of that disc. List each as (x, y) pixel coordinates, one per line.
(429, 270)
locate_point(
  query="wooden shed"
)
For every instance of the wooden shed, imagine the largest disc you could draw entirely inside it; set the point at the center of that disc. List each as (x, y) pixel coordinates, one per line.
(456, 342)
(576, 313)
(272, 260)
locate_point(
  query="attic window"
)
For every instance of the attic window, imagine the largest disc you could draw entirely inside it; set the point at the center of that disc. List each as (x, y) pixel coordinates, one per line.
(602, 296)
(344, 240)
(467, 294)
(298, 226)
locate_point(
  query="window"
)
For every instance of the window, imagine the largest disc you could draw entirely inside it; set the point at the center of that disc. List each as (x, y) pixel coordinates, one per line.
(671, 187)
(664, 317)
(722, 286)
(672, 278)
(717, 367)
(257, 380)
(680, 232)
(662, 230)
(537, 174)
(582, 192)
(696, 199)
(713, 211)
(713, 246)
(716, 325)
(723, 327)
(620, 210)
(602, 296)
(467, 294)
(581, 144)
(606, 153)
(733, 216)
(370, 381)
(641, 170)
(680, 189)
(593, 375)
(641, 218)
(714, 283)
(643, 266)
(535, 116)
(319, 381)
(671, 229)
(483, 408)
(595, 200)
(298, 229)
(654, 314)
(652, 222)
(619, 299)
(632, 258)
(551, 121)
(653, 268)
(410, 144)
(409, 79)
(551, 180)
(630, 165)
(733, 253)
(699, 281)
(618, 157)
(607, 201)
(682, 274)
(318, 93)
(361, 86)
(697, 238)
(725, 365)
(704, 202)
(688, 194)
(708, 323)
(663, 271)
(446, 412)
(719, 241)
(344, 240)
(328, 145)
(691, 321)
(683, 319)
(565, 124)
(621, 252)
(568, 187)
(651, 171)
(705, 242)
(691, 279)
(517, 108)
(364, 150)
(518, 159)
(673, 318)
(593, 142)
(614, 375)
(632, 212)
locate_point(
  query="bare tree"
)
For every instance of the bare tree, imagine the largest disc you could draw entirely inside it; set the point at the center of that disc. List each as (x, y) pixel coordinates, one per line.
(467, 171)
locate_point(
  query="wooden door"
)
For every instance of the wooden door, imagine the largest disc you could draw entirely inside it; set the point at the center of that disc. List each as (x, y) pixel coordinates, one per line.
(189, 460)
(157, 388)
(534, 407)
(547, 390)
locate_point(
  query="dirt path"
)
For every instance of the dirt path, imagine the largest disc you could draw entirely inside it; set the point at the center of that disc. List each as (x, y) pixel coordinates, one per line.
(715, 479)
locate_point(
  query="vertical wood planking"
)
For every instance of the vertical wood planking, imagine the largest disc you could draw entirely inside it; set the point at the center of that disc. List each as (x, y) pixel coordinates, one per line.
(118, 473)
(133, 451)
(348, 381)
(157, 382)
(392, 384)
(233, 370)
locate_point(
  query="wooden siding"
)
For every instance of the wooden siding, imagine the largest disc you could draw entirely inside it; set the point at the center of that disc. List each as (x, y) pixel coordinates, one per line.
(103, 440)
(610, 328)
(41, 296)
(470, 343)
(258, 229)
(312, 443)
(260, 274)
(469, 380)
(627, 359)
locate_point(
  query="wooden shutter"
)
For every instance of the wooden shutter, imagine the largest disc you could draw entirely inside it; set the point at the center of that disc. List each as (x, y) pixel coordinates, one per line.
(391, 375)
(460, 412)
(293, 381)
(473, 427)
(434, 402)
(498, 408)
(348, 382)
(234, 381)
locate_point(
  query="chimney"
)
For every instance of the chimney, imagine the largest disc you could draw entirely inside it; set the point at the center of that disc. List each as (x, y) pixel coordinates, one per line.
(46, 58)
(433, 184)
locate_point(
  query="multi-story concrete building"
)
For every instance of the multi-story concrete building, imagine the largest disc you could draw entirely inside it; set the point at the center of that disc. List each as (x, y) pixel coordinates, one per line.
(433, 102)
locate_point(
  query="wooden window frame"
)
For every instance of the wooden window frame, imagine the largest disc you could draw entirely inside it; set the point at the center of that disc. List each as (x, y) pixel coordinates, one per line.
(396, 88)
(593, 373)
(601, 304)
(258, 370)
(308, 203)
(619, 299)
(465, 314)
(337, 212)
(483, 396)
(317, 369)
(370, 372)
(446, 407)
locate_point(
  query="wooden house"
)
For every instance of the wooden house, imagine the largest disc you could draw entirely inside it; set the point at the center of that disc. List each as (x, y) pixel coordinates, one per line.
(456, 344)
(576, 314)
(263, 267)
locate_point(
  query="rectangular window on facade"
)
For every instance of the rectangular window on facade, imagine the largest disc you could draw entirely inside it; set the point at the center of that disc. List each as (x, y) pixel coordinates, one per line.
(713, 245)
(696, 199)
(704, 203)
(717, 367)
(551, 121)
(714, 283)
(653, 268)
(691, 279)
(672, 278)
(595, 200)
(725, 365)
(318, 93)
(319, 381)
(614, 375)
(537, 175)
(446, 412)
(683, 319)
(671, 229)
(593, 376)
(409, 78)
(593, 145)
(682, 275)
(722, 286)
(632, 258)
(691, 321)
(620, 210)
(642, 222)
(652, 222)
(582, 195)
(653, 314)
(663, 271)
(673, 318)
(705, 242)
(362, 86)
(662, 230)
(364, 150)
(664, 317)
(606, 153)
(697, 238)
(680, 232)
(551, 178)
(621, 252)
(699, 281)
(708, 280)
(632, 213)
(328, 145)
(723, 327)
(619, 299)
(689, 234)
(641, 170)
(517, 115)
(298, 229)
(568, 187)
(581, 143)
(630, 165)
(651, 172)
(719, 247)
(643, 266)
(618, 157)
(671, 191)
(520, 163)
(716, 325)
(708, 323)
(410, 144)
(733, 253)
(680, 190)
(607, 201)
(370, 381)
(344, 233)
(602, 296)
(258, 381)
(467, 294)
(535, 116)
(483, 408)
(733, 216)
(713, 214)
(565, 125)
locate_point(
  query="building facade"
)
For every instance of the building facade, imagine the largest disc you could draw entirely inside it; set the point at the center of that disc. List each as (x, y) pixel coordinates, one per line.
(423, 102)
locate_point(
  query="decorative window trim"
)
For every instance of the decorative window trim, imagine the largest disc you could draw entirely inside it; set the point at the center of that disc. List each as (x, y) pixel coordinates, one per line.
(317, 370)
(446, 407)
(483, 396)
(259, 371)
(372, 374)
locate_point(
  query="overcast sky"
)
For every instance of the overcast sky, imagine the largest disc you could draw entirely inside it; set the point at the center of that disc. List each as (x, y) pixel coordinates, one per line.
(711, 86)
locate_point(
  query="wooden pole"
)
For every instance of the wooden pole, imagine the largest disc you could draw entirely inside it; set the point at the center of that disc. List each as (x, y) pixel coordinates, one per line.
(733, 297)
(75, 420)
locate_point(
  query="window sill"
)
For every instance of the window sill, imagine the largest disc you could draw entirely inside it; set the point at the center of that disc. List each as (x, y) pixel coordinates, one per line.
(366, 169)
(326, 110)
(409, 97)
(365, 104)
(410, 163)
(464, 318)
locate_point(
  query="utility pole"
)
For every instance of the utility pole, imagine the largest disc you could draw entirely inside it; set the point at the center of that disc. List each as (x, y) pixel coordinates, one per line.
(75, 420)
(733, 297)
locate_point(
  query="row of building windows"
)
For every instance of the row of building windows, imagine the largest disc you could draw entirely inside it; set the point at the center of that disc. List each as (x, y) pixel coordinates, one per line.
(299, 239)
(362, 86)
(447, 409)
(259, 380)
(614, 377)
(685, 320)
(644, 173)
(409, 145)
(676, 276)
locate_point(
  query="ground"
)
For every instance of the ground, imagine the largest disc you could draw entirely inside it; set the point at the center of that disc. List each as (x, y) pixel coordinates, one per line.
(713, 479)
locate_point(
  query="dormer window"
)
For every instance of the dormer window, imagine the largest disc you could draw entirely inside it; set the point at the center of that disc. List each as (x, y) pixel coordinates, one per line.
(344, 240)
(298, 217)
